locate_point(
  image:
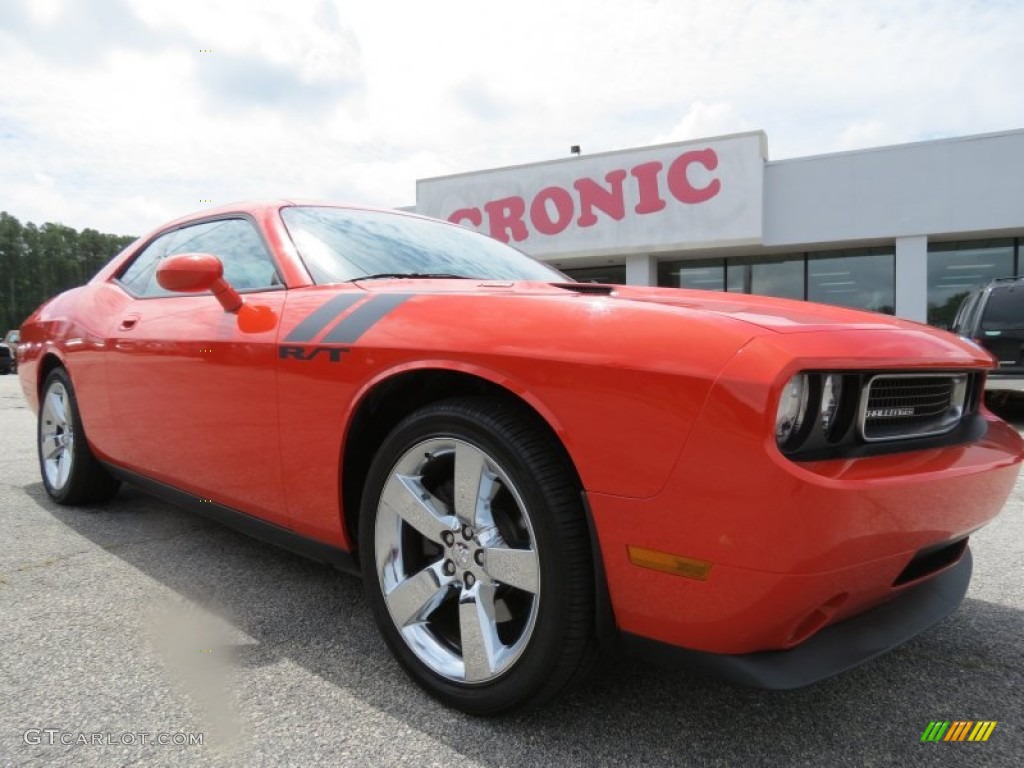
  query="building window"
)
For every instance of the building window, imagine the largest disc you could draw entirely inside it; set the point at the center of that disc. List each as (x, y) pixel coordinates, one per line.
(864, 278)
(706, 274)
(955, 268)
(781, 276)
(614, 274)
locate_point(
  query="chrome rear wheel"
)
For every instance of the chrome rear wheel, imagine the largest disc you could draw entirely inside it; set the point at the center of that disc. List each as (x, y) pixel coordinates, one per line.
(71, 474)
(56, 437)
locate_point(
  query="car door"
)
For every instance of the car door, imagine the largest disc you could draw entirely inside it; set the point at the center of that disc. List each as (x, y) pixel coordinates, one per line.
(193, 386)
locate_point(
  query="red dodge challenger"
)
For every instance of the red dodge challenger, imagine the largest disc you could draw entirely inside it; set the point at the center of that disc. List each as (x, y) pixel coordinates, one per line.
(527, 470)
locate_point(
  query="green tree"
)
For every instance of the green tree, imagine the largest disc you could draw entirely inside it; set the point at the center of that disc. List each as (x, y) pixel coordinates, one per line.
(37, 263)
(943, 314)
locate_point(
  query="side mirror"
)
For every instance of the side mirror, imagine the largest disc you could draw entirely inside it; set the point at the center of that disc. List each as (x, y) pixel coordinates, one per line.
(195, 273)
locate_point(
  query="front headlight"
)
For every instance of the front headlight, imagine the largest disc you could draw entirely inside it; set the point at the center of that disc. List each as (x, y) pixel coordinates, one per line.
(831, 391)
(792, 408)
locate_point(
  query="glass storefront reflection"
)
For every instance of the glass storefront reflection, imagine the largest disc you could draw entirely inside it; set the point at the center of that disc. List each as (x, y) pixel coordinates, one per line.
(781, 276)
(613, 274)
(861, 279)
(955, 268)
(704, 274)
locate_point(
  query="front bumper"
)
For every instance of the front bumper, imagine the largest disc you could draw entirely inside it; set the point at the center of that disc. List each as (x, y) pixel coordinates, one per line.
(791, 548)
(835, 649)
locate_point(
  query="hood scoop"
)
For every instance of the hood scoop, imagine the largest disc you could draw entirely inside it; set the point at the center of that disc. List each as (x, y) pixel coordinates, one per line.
(587, 289)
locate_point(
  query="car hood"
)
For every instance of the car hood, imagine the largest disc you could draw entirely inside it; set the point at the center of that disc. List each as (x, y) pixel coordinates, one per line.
(769, 313)
(780, 315)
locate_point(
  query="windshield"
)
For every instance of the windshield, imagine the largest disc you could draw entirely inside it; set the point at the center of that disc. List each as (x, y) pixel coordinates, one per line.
(339, 244)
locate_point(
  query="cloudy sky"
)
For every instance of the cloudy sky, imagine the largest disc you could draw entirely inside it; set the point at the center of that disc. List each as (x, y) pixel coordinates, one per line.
(120, 114)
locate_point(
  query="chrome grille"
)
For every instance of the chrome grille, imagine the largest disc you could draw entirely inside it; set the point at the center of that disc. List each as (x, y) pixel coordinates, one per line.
(902, 406)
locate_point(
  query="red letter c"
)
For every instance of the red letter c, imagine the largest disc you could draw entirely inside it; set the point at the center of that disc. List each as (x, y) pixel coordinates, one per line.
(472, 215)
(679, 183)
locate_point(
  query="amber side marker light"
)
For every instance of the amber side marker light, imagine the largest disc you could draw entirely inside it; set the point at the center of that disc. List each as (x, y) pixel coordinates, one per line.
(687, 567)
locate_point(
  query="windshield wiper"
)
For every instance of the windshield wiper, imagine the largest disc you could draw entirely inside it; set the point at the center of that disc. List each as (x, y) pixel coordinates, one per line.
(411, 276)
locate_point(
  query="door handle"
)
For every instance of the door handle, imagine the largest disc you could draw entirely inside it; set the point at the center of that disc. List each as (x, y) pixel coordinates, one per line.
(129, 322)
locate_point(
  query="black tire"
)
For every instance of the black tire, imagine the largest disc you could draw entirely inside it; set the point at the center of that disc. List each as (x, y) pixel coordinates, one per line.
(83, 480)
(560, 647)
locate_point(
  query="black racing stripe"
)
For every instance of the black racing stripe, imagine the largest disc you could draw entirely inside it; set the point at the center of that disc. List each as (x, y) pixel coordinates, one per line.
(361, 319)
(322, 315)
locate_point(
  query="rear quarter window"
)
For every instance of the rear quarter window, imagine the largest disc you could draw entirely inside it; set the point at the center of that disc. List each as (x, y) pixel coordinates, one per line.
(1004, 310)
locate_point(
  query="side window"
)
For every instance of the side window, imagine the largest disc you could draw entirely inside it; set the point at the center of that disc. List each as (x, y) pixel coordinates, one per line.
(140, 277)
(247, 265)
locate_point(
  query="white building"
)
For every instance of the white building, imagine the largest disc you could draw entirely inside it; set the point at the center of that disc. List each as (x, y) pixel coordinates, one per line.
(905, 229)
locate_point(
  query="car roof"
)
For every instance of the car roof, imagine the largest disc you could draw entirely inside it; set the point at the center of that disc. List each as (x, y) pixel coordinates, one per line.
(258, 208)
(1003, 282)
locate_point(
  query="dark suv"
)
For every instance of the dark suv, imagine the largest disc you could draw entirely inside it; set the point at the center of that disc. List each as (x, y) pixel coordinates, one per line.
(8, 358)
(992, 315)
(9, 352)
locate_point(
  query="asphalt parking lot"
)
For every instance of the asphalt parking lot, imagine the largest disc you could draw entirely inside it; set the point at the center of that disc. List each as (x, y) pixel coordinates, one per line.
(135, 620)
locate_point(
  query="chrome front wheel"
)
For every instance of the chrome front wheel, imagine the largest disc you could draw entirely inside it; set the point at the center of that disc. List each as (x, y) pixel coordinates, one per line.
(456, 560)
(476, 556)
